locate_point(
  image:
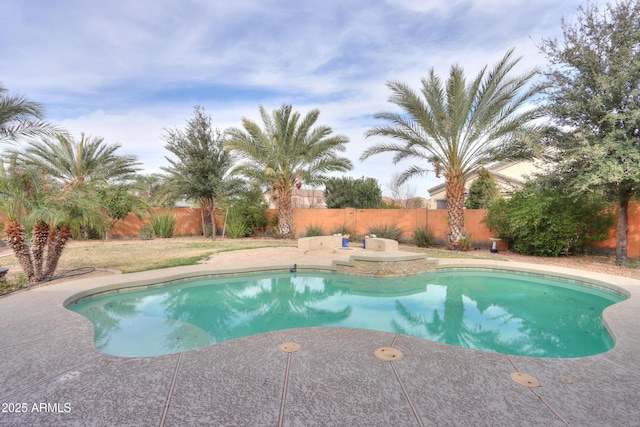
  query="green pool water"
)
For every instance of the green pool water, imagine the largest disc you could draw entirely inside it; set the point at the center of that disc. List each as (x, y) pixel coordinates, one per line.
(487, 310)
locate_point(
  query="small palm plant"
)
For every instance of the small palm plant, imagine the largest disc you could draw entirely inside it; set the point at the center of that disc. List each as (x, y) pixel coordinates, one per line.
(33, 202)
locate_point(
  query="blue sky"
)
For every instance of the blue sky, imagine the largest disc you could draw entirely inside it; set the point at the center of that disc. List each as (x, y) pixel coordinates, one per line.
(127, 70)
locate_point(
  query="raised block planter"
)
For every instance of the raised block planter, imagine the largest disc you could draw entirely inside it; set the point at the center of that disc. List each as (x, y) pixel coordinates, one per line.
(319, 242)
(377, 244)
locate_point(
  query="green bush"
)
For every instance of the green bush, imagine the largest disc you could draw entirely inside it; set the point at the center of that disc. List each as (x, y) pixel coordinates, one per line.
(545, 222)
(236, 225)
(146, 232)
(422, 237)
(386, 231)
(252, 208)
(314, 230)
(163, 224)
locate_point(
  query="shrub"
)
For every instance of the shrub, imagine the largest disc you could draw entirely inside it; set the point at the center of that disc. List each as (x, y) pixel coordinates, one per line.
(146, 232)
(546, 222)
(252, 208)
(422, 237)
(314, 230)
(236, 225)
(163, 224)
(465, 242)
(386, 231)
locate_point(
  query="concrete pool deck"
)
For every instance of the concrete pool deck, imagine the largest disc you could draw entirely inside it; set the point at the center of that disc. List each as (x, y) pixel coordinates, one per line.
(54, 375)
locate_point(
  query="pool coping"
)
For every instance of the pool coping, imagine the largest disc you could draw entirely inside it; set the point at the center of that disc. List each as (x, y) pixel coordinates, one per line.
(50, 358)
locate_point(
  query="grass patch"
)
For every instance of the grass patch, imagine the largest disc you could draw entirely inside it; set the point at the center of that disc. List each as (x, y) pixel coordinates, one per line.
(130, 256)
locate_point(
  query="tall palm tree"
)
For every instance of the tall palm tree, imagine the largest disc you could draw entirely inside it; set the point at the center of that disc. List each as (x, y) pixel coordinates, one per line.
(285, 152)
(459, 127)
(20, 117)
(77, 162)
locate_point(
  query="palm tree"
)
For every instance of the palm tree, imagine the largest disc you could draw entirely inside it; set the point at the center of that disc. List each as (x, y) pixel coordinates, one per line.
(77, 163)
(20, 118)
(459, 127)
(30, 200)
(286, 152)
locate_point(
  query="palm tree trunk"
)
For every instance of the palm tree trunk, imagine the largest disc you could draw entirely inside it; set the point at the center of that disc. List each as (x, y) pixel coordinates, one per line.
(285, 214)
(455, 207)
(57, 241)
(17, 243)
(40, 238)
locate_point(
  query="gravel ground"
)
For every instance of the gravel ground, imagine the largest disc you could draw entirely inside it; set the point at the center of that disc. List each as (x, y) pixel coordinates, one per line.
(595, 263)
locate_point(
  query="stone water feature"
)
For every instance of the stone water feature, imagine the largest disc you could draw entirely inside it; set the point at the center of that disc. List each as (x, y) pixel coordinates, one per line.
(380, 258)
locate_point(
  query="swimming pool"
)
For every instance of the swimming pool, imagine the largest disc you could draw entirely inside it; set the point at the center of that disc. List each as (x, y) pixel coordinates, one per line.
(504, 312)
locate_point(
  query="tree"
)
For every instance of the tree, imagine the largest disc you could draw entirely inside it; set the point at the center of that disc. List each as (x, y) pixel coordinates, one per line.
(200, 171)
(543, 219)
(286, 152)
(594, 99)
(403, 193)
(77, 163)
(483, 191)
(118, 201)
(346, 192)
(21, 118)
(459, 127)
(154, 190)
(31, 200)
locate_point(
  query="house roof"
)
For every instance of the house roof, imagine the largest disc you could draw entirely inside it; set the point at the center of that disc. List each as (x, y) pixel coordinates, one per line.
(494, 169)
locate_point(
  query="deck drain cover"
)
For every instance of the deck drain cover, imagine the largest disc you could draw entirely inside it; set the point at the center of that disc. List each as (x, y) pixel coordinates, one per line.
(525, 379)
(290, 347)
(388, 353)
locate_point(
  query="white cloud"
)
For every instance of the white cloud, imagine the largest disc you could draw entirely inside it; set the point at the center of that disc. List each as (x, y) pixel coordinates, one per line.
(125, 70)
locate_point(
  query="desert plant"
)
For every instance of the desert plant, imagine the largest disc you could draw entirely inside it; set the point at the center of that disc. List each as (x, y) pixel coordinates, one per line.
(422, 237)
(163, 224)
(465, 242)
(146, 232)
(313, 230)
(386, 231)
(236, 226)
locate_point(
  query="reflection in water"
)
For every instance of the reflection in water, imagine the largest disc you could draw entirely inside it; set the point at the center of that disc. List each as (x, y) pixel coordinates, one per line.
(506, 313)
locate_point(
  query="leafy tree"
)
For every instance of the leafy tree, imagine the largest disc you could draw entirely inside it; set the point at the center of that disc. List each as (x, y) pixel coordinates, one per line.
(403, 194)
(459, 126)
(542, 219)
(347, 192)
(286, 152)
(594, 98)
(77, 162)
(21, 118)
(32, 201)
(200, 170)
(119, 200)
(483, 191)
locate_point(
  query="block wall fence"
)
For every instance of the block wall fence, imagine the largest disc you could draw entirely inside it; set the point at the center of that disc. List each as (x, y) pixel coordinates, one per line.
(359, 220)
